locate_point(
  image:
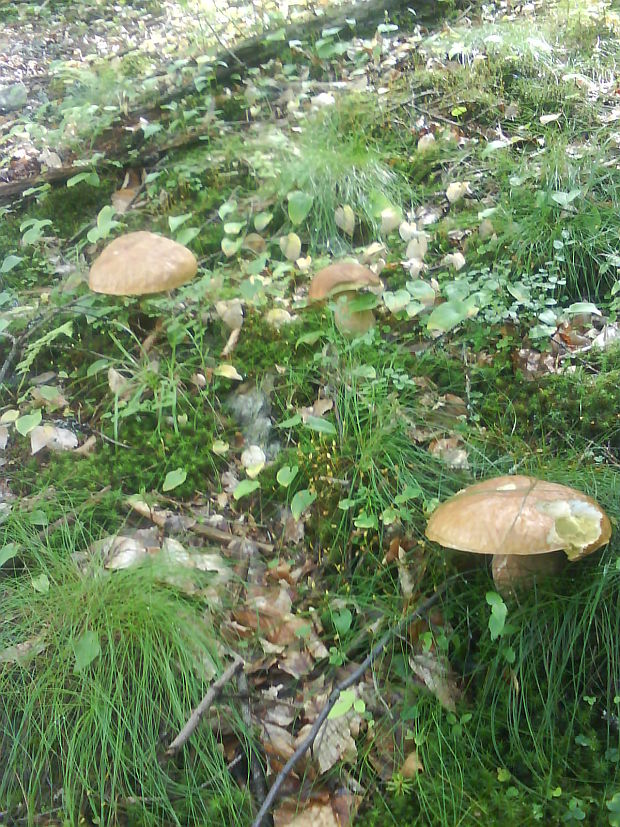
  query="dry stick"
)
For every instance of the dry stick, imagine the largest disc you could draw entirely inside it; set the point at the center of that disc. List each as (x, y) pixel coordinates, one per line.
(258, 785)
(220, 536)
(354, 677)
(205, 704)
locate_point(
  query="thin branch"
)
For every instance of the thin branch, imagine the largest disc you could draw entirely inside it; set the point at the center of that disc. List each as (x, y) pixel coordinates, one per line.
(258, 785)
(203, 707)
(353, 678)
(219, 536)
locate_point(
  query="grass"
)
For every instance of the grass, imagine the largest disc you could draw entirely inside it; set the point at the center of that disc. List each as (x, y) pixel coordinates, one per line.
(98, 732)
(534, 737)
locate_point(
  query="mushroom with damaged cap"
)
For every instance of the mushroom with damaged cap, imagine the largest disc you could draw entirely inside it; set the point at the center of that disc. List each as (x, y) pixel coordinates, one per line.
(137, 264)
(521, 521)
(342, 281)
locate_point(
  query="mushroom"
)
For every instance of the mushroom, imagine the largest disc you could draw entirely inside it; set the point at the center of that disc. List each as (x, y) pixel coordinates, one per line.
(342, 281)
(514, 518)
(137, 264)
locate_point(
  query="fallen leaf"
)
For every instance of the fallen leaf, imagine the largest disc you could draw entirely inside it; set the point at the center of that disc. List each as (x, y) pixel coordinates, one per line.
(450, 451)
(457, 190)
(230, 312)
(345, 219)
(436, 673)
(253, 460)
(411, 765)
(545, 119)
(49, 436)
(456, 260)
(228, 372)
(291, 246)
(426, 142)
(277, 317)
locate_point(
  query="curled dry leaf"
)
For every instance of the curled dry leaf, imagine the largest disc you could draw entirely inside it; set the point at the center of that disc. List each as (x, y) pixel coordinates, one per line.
(486, 229)
(373, 252)
(426, 142)
(277, 317)
(456, 260)
(407, 230)
(414, 267)
(255, 242)
(231, 342)
(390, 219)
(319, 408)
(230, 312)
(118, 384)
(457, 190)
(345, 219)
(450, 451)
(87, 447)
(291, 246)
(418, 246)
(253, 460)
(228, 372)
(435, 672)
(551, 118)
(411, 765)
(4, 437)
(49, 436)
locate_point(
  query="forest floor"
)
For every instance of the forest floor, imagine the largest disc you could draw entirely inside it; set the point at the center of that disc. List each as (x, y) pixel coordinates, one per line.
(216, 488)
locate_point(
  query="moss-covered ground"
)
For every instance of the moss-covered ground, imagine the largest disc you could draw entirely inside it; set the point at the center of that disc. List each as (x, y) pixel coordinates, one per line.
(98, 668)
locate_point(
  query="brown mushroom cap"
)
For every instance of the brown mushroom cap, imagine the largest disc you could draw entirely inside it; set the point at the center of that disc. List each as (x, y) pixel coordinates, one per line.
(342, 277)
(139, 263)
(520, 515)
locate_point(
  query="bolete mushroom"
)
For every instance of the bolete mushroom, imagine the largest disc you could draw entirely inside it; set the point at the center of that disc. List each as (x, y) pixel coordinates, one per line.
(516, 519)
(136, 264)
(342, 281)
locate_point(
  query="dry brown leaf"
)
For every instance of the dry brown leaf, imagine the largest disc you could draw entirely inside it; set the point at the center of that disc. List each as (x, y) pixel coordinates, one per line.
(326, 810)
(450, 451)
(296, 664)
(411, 765)
(277, 741)
(316, 815)
(437, 675)
(51, 399)
(49, 436)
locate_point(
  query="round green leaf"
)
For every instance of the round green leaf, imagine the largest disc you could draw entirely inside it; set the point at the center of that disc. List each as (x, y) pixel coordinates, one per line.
(286, 475)
(24, 424)
(85, 649)
(174, 479)
(244, 488)
(299, 204)
(301, 501)
(447, 315)
(41, 584)
(7, 552)
(261, 220)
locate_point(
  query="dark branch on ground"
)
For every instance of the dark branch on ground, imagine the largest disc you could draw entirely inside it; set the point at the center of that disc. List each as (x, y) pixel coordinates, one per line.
(353, 678)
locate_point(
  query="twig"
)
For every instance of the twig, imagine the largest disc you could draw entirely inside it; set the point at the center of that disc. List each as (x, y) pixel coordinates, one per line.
(354, 677)
(15, 343)
(258, 786)
(204, 706)
(220, 536)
